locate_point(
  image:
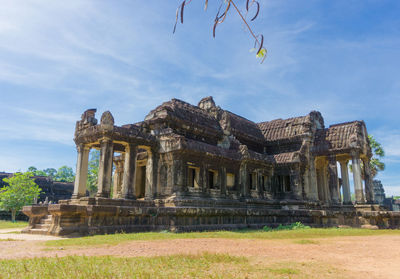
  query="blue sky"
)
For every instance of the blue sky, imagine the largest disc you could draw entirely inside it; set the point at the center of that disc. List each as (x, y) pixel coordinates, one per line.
(58, 58)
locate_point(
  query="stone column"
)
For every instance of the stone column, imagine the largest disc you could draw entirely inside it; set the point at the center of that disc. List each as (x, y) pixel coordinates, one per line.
(81, 171)
(333, 179)
(244, 188)
(345, 180)
(256, 181)
(105, 168)
(202, 178)
(177, 173)
(117, 180)
(358, 187)
(223, 180)
(305, 177)
(204, 174)
(320, 181)
(151, 174)
(325, 182)
(313, 185)
(295, 184)
(261, 183)
(369, 187)
(129, 175)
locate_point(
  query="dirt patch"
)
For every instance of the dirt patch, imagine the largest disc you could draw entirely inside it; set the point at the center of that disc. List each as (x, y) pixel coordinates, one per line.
(367, 256)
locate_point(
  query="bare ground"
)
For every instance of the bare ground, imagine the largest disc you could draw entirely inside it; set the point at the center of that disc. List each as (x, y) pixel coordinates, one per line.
(355, 257)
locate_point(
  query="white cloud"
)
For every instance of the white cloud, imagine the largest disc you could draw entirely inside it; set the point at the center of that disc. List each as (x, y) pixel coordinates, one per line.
(123, 57)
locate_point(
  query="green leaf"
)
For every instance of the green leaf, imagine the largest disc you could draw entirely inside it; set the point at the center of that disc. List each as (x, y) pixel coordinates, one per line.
(20, 191)
(262, 53)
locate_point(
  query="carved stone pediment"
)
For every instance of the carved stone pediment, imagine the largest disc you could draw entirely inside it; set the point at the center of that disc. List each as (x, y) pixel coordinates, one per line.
(88, 119)
(107, 119)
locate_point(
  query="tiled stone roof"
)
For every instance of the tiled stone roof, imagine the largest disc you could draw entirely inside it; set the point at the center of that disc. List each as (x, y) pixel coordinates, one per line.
(285, 158)
(283, 128)
(341, 136)
(244, 128)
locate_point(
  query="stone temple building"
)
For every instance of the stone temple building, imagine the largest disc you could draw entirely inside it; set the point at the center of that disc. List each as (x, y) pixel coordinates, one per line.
(188, 167)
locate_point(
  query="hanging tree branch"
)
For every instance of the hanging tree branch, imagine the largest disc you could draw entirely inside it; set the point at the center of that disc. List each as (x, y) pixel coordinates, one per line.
(220, 18)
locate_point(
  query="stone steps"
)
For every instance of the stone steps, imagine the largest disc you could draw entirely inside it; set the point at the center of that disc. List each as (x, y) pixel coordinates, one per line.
(38, 231)
(42, 227)
(46, 221)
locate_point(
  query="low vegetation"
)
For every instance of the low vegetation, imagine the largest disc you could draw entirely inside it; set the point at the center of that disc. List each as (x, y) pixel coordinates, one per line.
(306, 241)
(299, 233)
(10, 239)
(176, 266)
(12, 225)
(294, 226)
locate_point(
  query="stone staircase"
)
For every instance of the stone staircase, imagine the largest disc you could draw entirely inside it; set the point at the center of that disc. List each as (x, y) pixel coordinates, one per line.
(43, 227)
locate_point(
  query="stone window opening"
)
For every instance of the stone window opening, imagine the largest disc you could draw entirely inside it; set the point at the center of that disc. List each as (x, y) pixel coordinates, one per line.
(264, 182)
(286, 183)
(212, 179)
(193, 176)
(140, 184)
(118, 171)
(252, 180)
(230, 180)
(281, 183)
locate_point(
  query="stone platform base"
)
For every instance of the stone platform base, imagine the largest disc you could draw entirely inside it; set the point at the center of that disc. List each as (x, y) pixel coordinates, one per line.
(89, 216)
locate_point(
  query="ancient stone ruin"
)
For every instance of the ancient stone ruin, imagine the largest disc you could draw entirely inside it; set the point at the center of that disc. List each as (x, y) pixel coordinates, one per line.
(389, 203)
(188, 167)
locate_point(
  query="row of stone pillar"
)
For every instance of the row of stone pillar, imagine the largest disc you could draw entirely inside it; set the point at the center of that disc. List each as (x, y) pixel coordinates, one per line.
(127, 190)
(244, 183)
(327, 179)
(362, 196)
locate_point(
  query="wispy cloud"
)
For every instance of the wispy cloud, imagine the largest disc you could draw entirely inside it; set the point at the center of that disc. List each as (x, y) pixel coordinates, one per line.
(58, 58)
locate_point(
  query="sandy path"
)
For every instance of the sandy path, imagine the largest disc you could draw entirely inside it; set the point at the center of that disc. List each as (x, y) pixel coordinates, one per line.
(8, 234)
(368, 257)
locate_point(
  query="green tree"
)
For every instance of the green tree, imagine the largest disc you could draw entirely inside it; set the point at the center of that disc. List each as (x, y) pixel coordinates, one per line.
(36, 172)
(93, 170)
(65, 174)
(378, 153)
(32, 169)
(50, 172)
(21, 190)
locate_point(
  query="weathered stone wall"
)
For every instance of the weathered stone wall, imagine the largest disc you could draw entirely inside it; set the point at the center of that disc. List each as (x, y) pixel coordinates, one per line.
(100, 216)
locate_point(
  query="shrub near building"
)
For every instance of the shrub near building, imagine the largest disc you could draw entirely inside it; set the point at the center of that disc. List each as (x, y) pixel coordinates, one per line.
(20, 191)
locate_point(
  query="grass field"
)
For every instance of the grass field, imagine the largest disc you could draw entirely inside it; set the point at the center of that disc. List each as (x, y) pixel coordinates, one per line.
(213, 264)
(176, 266)
(11, 225)
(312, 233)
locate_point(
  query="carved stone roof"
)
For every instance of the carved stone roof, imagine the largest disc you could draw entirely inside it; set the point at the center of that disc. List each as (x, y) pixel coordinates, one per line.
(177, 112)
(279, 129)
(284, 129)
(244, 129)
(343, 136)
